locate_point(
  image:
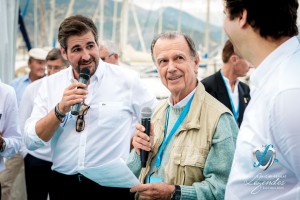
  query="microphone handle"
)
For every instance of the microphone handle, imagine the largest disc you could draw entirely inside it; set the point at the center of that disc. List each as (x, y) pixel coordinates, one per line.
(144, 154)
(76, 107)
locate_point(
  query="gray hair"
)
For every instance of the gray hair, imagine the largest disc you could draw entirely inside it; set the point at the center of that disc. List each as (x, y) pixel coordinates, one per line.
(109, 45)
(173, 35)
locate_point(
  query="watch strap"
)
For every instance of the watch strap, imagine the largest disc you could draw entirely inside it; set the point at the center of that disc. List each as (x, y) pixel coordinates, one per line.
(176, 195)
(60, 116)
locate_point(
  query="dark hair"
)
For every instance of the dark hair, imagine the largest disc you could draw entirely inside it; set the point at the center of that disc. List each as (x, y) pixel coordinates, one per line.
(272, 18)
(75, 25)
(227, 51)
(173, 35)
(55, 54)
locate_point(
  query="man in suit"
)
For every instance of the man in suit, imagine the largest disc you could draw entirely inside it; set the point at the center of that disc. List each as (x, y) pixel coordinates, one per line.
(225, 86)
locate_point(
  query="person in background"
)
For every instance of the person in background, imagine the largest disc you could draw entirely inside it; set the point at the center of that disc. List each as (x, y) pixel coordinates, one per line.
(38, 162)
(102, 130)
(37, 66)
(15, 164)
(10, 135)
(225, 86)
(192, 139)
(266, 164)
(109, 52)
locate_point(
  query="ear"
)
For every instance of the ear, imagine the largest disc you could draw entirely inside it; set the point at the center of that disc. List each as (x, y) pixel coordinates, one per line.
(63, 53)
(234, 58)
(197, 62)
(116, 56)
(243, 18)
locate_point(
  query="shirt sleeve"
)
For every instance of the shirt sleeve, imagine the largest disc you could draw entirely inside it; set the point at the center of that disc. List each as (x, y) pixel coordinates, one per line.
(134, 163)
(31, 139)
(11, 130)
(218, 163)
(285, 128)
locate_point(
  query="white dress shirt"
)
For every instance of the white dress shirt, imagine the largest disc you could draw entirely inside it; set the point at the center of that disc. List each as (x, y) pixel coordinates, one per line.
(9, 123)
(116, 97)
(25, 109)
(271, 118)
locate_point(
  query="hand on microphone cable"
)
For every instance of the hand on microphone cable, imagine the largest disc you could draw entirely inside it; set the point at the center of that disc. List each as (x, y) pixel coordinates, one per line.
(140, 140)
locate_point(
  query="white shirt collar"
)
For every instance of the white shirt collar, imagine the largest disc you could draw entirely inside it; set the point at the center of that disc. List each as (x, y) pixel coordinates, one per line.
(98, 74)
(183, 102)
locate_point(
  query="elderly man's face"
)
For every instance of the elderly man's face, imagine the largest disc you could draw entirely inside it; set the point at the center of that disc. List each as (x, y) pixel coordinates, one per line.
(176, 67)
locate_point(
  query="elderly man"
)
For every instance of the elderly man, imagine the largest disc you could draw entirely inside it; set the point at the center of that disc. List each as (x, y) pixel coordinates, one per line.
(109, 52)
(192, 141)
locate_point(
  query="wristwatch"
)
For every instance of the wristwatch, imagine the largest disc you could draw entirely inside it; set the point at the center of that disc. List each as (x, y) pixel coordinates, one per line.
(2, 144)
(60, 116)
(176, 195)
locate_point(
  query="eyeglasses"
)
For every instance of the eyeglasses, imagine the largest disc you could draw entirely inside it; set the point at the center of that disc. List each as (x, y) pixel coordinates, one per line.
(110, 55)
(80, 123)
(55, 68)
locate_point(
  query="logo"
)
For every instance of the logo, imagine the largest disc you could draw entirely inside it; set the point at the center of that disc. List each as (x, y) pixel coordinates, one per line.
(264, 156)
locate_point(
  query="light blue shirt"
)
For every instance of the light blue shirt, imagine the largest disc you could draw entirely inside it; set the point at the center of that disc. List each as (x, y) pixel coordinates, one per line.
(20, 84)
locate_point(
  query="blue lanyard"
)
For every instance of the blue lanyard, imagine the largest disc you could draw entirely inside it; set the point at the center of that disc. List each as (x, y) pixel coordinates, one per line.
(235, 112)
(173, 131)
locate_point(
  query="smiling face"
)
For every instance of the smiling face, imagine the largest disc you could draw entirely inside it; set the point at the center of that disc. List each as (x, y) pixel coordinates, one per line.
(37, 68)
(176, 66)
(82, 52)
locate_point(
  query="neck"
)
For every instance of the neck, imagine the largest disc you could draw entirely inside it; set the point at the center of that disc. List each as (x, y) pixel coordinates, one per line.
(228, 73)
(32, 77)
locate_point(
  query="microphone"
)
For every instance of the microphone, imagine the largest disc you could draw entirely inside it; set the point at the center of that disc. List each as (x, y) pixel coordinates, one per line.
(146, 118)
(84, 77)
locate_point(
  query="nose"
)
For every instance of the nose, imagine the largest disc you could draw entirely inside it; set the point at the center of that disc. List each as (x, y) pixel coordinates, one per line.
(86, 55)
(171, 66)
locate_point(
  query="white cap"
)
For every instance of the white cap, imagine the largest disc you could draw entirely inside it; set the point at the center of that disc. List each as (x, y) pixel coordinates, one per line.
(38, 53)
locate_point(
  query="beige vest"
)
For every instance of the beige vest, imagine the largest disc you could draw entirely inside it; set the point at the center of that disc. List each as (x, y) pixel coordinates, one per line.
(192, 142)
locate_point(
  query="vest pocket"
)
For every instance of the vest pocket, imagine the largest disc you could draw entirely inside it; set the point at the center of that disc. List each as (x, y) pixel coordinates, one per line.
(186, 166)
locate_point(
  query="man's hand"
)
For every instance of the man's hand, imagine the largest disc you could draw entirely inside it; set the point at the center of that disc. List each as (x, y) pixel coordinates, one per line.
(141, 140)
(73, 94)
(161, 191)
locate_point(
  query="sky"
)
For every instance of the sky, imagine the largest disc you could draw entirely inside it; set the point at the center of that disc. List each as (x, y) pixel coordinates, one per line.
(195, 7)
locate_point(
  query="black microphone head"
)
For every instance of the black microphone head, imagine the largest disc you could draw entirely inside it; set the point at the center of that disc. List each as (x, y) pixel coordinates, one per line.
(85, 73)
(146, 112)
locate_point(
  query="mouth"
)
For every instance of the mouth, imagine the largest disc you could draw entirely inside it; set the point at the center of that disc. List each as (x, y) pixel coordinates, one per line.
(172, 78)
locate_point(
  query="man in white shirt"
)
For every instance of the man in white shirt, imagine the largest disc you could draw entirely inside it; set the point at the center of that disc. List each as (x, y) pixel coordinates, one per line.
(266, 162)
(10, 135)
(38, 162)
(102, 131)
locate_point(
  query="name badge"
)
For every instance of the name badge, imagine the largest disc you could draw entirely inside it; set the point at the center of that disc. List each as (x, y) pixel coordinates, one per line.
(154, 179)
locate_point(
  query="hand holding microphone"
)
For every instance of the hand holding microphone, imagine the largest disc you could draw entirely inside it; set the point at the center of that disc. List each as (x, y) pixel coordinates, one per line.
(84, 77)
(146, 118)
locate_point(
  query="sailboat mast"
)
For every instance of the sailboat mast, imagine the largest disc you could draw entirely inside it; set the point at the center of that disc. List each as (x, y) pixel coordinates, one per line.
(114, 26)
(206, 36)
(179, 17)
(52, 22)
(35, 17)
(123, 28)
